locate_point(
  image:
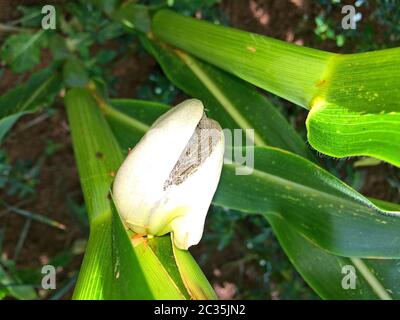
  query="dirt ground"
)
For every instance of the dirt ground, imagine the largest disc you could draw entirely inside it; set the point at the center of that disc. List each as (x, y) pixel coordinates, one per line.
(58, 178)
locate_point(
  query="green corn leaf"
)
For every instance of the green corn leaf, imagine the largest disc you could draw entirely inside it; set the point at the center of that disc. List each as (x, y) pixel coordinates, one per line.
(324, 272)
(138, 272)
(284, 69)
(192, 276)
(353, 99)
(115, 266)
(314, 202)
(97, 154)
(357, 110)
(376, 278)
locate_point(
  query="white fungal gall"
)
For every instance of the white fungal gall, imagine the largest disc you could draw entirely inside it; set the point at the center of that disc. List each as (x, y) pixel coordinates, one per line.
(168, 180)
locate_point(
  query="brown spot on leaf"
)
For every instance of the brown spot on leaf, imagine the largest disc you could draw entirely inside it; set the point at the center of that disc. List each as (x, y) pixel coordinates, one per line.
(320, 83)
(99, 155)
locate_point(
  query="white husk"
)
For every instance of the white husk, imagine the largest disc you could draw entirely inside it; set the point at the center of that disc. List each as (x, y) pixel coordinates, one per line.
(149, 198)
